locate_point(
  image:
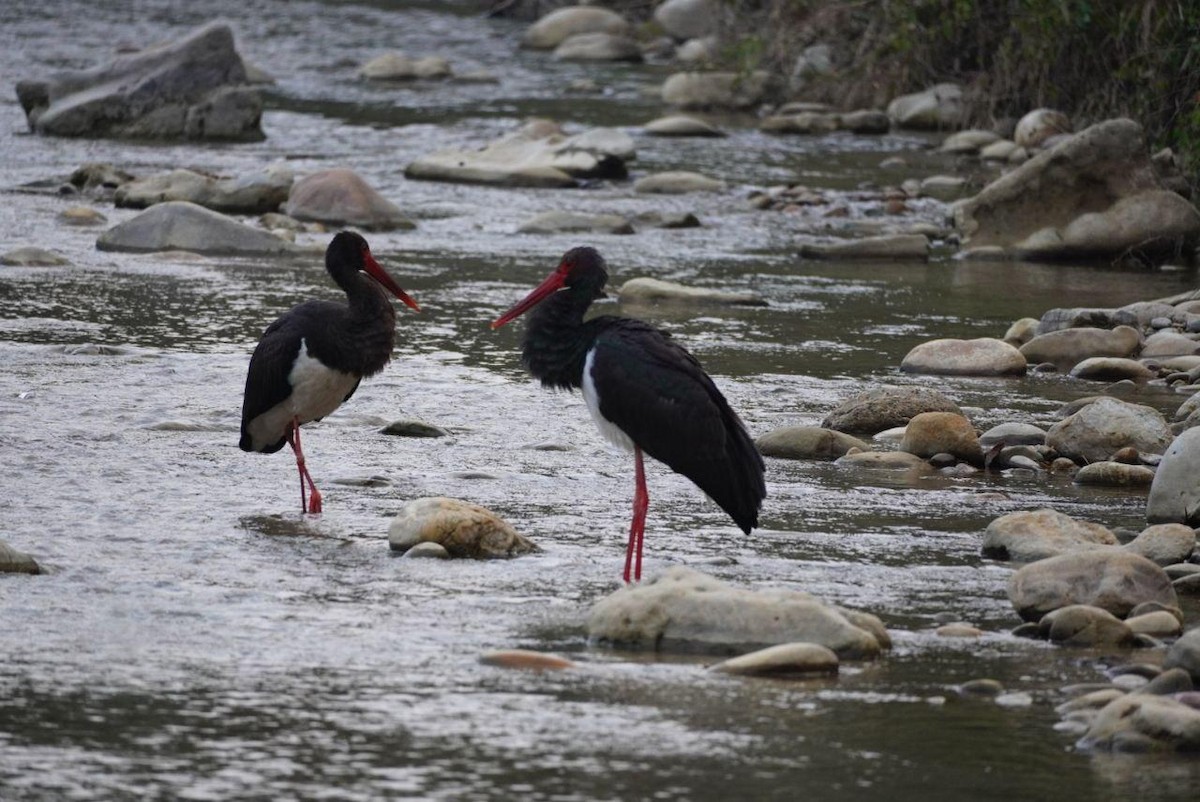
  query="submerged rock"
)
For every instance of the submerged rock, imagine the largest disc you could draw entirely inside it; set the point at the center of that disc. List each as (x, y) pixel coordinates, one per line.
(786, 659)
(677, 182)
(31, 256)
(684, 610)
(413, 428)
(195, 87)
(16, 562)
(884, 246)
(464, 529)
(807, 442)
(652, 290)
(183, 226)
(525, 660)
(557, 222)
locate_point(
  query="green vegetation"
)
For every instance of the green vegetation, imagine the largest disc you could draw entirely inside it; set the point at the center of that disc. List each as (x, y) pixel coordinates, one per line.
(1093, 59)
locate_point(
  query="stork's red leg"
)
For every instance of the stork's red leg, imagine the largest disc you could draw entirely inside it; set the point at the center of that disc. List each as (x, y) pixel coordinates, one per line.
(637, 529)
(314, 502)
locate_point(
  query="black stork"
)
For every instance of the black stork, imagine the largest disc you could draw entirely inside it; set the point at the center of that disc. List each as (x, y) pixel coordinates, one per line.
(645, 392)
(312, 358)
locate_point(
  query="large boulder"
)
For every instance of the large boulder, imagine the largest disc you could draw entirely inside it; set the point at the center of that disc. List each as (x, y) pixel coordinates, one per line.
(535, 156)
(1068, 347)
(341, 197)
(192, 88)
(684, 610)
(1175, 493)
(255, 193)
(183, 226)
(1095, 194)
(1113, 580)
(1105, 426)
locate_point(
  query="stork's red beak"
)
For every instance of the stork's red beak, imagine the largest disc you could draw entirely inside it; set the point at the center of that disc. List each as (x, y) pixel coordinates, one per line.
(375, 271)
(553, 283)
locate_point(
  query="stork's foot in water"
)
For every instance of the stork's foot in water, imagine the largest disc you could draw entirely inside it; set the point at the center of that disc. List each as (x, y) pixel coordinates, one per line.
(314, 502)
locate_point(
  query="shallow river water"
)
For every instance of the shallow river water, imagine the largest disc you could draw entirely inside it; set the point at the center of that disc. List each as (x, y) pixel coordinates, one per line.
(196, 638)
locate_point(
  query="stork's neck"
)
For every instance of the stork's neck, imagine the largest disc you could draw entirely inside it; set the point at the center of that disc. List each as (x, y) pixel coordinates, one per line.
(557, 339)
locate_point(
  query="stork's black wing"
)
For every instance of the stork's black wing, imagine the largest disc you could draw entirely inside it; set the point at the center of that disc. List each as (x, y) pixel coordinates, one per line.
(267, 377)
(659, 395)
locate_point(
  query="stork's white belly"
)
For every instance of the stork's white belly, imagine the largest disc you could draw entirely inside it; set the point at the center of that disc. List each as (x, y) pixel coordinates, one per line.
(609, 430)
(317, 390)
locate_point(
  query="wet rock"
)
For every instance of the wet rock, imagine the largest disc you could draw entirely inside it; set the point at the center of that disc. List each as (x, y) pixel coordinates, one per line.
(80, 216)
(938, 107)
(943, 187)
(598, 47)
(1185, 654)
(558, 222)
(971, 140)
(1144, 722)
(1083, 625)
(534, 156)
(183, 226)
(1039, 125)
(16, 562)
(525, 660)
(980, 357)
(930, 433)
(652, 290)
(1103, 427)
(396, 66)
(193, 88)
(413, 428)
(1013, 434)
(959, 629)
(1037, 534)
(681, 125)
(807, 442)
(427, 551)
(1114, 474)
(1175, 494)
(984, 687)
(805, 122)
(688, 19)
(886, 246)
(884, 408)
(700, 90)
(255, 193)
(655, 219)
(1160, 624)
(31, 256)
(677, 182)
(464, 529)
(1187, 585)
(786, 659)
(1164, 544)
(556, 27)
(341, 197)
(1169, 343)
(884, 461)
(1003, 150)
(684, 610)
(1068, 347)
(1169, 682)
(98, 176)
(1112, 369)
(1113, 580)
(1033, 211)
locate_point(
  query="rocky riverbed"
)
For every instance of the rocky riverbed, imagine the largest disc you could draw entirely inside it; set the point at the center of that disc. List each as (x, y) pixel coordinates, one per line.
(976, 568)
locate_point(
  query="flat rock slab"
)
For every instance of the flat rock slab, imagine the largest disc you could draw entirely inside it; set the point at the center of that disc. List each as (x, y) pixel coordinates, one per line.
(1113, 580)
(652, 290)
(808, 442)
(1037, 534)
(687, 611)
(254, 193)
(559, 222)
(786, 660)
(899, 246)
(183, 226)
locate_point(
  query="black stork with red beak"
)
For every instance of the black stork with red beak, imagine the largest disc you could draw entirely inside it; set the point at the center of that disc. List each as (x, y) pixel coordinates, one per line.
(311, 360)
(645, 393)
